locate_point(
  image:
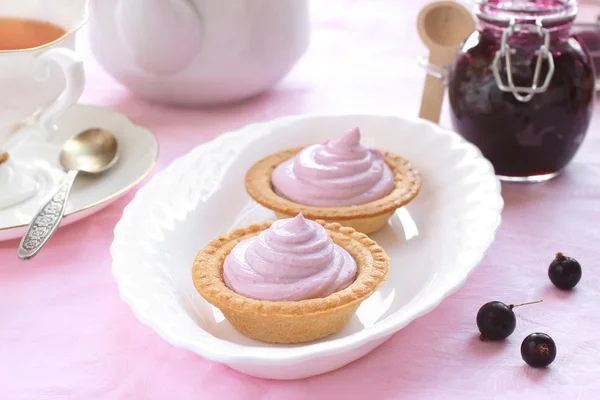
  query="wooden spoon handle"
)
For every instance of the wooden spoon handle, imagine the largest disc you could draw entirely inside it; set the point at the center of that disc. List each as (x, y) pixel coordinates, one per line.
(433, 91)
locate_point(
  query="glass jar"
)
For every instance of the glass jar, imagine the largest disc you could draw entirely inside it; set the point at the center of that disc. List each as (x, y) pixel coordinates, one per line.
(522, 87)
(589, 34)
(587, 28)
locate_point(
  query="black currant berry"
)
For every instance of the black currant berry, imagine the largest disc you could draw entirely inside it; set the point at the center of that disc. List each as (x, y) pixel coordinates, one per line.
(538, 350)
(496, 320)
(564, 272)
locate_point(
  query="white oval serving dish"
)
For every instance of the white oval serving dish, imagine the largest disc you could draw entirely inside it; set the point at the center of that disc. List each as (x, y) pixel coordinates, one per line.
(434, 243)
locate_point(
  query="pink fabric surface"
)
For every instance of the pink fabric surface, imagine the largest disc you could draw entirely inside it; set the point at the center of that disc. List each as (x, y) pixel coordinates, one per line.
(66, 334)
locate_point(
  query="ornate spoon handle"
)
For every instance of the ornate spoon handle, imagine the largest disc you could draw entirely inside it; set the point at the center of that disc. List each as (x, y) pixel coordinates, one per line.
(47, 219)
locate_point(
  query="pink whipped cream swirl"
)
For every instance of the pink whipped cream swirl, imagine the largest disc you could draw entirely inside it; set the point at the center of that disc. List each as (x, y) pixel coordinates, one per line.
(335, 173)
(295, 259)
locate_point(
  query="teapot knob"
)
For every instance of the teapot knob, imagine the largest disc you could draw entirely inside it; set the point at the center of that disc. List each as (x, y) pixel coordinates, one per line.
(162, 36)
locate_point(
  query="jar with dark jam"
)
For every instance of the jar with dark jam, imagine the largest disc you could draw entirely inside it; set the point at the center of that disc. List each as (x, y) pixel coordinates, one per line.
(522, 87)
(589, 35)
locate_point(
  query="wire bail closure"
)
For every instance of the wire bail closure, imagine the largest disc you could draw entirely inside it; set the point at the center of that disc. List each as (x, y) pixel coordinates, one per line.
(523, 93)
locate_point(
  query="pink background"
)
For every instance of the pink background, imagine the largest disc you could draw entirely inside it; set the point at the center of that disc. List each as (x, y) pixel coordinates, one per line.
(65, 333)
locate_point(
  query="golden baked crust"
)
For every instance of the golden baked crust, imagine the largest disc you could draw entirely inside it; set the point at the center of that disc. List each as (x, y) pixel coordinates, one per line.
(408, 181)
(290, 321)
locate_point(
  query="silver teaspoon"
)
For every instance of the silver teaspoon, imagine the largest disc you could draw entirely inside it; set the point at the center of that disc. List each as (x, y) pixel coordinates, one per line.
(92, 151)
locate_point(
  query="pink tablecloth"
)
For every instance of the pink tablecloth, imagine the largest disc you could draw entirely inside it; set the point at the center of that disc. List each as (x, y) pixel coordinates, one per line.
(65, 333)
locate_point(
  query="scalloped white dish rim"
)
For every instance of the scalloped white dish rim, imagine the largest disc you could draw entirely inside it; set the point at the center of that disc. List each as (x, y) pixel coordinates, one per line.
(225, 351)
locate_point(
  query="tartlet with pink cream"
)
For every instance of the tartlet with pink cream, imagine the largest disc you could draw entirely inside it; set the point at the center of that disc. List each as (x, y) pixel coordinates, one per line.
(336, 181)
(289, 281)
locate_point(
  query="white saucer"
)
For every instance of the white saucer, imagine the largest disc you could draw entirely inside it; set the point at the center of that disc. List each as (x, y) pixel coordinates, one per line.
(434, 243)
(138, 151)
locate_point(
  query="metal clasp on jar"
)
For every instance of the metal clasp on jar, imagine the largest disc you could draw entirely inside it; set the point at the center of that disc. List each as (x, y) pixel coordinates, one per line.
(437, 71)
(523, 93)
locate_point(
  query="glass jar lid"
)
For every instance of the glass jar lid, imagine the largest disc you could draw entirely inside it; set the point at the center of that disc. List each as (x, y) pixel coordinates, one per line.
(544, 12)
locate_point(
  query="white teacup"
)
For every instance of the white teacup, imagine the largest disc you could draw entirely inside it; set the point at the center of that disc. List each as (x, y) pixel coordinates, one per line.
(36, 82)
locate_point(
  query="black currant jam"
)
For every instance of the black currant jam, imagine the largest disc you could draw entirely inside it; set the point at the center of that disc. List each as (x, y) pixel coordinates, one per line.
(528, 131)
(589, 35)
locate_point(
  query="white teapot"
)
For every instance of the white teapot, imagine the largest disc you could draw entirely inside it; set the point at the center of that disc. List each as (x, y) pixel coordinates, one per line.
(198, 52)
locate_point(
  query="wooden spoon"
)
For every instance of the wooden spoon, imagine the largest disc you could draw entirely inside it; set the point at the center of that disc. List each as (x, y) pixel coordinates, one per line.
(442, 26)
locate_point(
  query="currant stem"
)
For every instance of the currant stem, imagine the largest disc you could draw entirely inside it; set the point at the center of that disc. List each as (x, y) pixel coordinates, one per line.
(511, 306)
